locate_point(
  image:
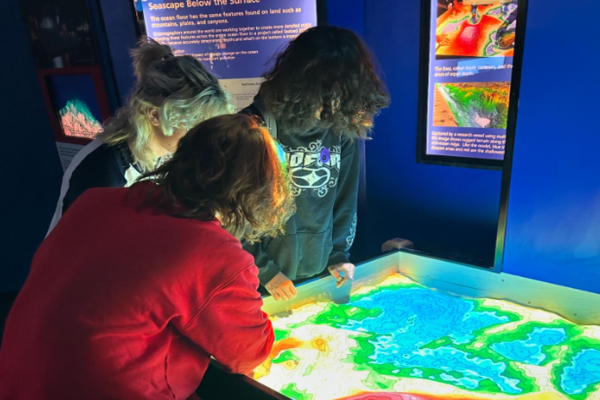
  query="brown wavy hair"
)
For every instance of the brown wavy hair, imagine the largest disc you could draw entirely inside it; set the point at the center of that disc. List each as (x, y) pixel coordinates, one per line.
(329, 69)
(227, 167)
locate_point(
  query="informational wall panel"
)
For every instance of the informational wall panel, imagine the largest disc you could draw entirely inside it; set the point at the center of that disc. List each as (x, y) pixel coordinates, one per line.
(470, 73)
(235, 39)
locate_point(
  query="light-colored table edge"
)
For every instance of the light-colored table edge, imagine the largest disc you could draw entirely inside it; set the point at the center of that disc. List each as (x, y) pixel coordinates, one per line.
(575, 305)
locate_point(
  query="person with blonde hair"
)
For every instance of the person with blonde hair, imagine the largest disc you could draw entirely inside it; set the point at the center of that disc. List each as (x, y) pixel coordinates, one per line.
(171, 96)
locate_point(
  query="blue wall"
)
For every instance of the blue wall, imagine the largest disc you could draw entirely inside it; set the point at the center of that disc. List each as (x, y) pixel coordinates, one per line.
(347, 13)
(119, 24)
(442, 209)
(553, 231)
(31, 179)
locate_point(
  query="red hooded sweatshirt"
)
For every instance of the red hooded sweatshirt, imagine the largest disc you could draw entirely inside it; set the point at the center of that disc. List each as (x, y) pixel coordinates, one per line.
(129, 304)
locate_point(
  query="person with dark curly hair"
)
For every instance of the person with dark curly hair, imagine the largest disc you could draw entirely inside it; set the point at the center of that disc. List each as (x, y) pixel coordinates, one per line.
(318, 100)
(136, 288)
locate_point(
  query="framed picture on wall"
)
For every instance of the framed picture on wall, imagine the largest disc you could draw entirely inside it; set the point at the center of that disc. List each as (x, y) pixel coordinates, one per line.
(471, 52)
(76, 102)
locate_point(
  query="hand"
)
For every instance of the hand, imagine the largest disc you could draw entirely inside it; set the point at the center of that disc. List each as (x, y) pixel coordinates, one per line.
(342, 273)
(281, 288)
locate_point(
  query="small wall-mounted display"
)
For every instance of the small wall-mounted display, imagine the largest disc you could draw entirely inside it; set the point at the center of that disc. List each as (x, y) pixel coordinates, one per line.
(469, 81)
(76, 103)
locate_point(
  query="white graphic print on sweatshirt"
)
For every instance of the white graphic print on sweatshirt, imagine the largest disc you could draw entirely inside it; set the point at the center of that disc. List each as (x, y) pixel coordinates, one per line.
(315, 169)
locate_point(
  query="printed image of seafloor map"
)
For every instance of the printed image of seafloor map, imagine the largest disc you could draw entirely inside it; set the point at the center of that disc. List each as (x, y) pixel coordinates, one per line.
(77, 120)
(402, 341)
(475, 104)
(477, 31)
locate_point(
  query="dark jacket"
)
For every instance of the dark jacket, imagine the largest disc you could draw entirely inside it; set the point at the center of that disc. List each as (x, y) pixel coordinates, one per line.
(325, 171)
(96, 165)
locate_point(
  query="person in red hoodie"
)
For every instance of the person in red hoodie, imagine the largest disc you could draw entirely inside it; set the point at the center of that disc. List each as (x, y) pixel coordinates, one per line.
(136, 288)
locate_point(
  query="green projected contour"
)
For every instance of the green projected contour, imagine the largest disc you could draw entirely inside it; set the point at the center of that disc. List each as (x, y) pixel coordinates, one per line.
(401, 337)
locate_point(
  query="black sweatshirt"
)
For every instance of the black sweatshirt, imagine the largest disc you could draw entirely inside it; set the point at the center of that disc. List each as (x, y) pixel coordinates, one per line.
(325, 172)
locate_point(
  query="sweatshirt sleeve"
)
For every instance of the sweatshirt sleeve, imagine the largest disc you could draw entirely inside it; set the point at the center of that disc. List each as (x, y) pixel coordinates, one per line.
(232, 328)
(345, 206)
(267, 267)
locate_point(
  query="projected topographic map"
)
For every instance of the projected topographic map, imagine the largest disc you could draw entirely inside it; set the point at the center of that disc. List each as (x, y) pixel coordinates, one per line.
(402, 341)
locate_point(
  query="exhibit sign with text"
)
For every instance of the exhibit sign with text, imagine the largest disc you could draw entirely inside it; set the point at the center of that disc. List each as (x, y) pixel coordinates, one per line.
(471, 53)
(235, 39)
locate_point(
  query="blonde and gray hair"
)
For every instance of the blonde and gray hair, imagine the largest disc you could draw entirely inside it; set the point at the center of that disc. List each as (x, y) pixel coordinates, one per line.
(179, 88)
